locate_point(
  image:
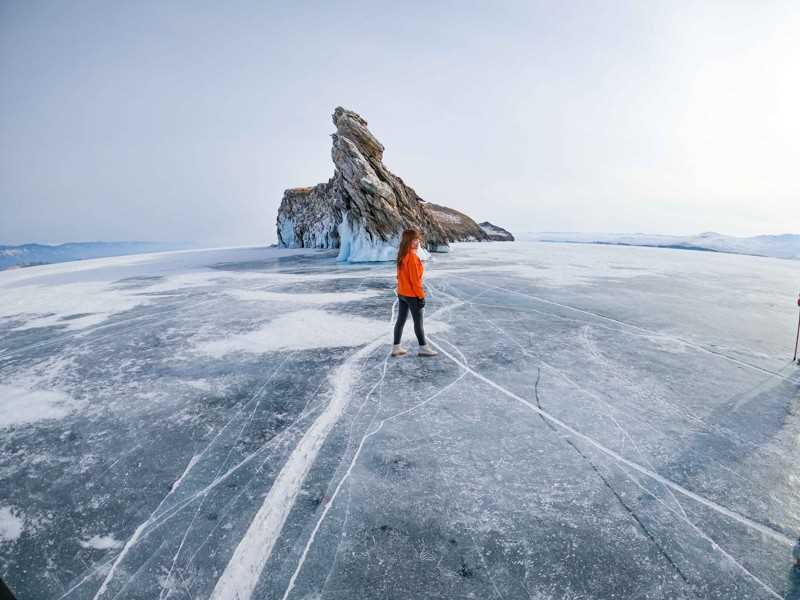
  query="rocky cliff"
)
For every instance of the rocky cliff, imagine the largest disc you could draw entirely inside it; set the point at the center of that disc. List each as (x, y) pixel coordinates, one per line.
(495, 233)
(309, 217)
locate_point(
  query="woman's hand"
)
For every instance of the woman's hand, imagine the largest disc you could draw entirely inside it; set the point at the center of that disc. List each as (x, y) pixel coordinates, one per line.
(421, 302)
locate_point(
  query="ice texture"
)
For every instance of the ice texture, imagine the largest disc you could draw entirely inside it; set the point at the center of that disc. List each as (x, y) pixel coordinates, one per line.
(601, 422)
(357, 245)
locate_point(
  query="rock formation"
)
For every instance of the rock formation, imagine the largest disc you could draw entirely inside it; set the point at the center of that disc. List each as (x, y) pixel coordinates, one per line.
(495, 233)
(457, 226)
(364, 207)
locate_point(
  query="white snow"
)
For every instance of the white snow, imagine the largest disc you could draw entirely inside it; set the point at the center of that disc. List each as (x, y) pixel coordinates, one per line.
(22, 406)
(304, 330)
(294, 299)
(447, 217)
(101, 542)
(11, 524)
(242, 573)
(47, 305)
(84, 294)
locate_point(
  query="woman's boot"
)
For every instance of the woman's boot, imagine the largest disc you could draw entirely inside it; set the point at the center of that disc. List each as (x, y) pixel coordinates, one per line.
(426, 350)
(398, 350)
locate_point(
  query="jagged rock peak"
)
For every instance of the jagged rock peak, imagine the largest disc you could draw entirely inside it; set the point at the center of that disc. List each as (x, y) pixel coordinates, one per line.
(354, 127)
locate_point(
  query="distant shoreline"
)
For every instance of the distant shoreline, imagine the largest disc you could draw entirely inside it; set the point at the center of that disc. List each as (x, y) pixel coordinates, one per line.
(785, 246)
(32, 255)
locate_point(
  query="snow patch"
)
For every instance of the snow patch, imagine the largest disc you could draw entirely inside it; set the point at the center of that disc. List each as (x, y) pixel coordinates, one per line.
(79, 305)
(448, 217)
(22, 406)
(320, 298)
(72, 305)
(199, 279)
(11, 524)
(305, 330)
(101, 542)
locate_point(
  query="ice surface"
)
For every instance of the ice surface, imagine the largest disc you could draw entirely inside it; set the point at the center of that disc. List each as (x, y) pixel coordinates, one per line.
(602, 422)
(305, 330)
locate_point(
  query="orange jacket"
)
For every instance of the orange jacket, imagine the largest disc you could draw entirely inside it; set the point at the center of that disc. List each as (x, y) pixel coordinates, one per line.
(409, 276)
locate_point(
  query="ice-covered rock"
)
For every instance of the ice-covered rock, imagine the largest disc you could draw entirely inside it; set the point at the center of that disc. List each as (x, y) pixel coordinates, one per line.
(495, 233)
(364, 207)
(308, 218)
(356, 245)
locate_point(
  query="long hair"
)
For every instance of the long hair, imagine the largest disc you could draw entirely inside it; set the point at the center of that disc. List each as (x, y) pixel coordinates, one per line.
(409, 235)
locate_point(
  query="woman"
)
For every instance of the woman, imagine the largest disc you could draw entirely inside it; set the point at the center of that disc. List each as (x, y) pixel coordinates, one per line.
(410, 295)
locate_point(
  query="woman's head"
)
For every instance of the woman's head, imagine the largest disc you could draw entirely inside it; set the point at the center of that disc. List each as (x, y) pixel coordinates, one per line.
(409, 240)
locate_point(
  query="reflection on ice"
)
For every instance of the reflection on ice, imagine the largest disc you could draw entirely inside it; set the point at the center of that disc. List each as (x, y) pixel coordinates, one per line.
(601, 422)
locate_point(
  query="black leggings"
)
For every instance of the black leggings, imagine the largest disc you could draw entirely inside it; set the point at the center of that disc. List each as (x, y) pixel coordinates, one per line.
(406, 303)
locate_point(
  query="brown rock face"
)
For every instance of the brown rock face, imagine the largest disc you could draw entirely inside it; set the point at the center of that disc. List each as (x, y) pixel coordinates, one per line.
(364, 207)
(496, 233)
(457, 226)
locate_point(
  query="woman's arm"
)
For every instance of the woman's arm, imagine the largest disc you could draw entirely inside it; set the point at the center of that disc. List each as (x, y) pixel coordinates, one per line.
(415, 270)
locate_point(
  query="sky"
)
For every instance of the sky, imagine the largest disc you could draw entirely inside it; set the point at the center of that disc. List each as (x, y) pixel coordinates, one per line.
(185, 121)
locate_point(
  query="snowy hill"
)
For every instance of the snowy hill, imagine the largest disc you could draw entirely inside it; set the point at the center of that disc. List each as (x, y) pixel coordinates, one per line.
(777, 246)
(28, 255)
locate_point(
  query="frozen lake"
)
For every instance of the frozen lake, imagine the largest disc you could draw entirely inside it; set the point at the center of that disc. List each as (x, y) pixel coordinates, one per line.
(602, 422)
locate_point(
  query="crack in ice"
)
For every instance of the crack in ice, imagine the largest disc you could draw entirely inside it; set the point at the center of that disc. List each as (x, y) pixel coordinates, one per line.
(732, 514)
